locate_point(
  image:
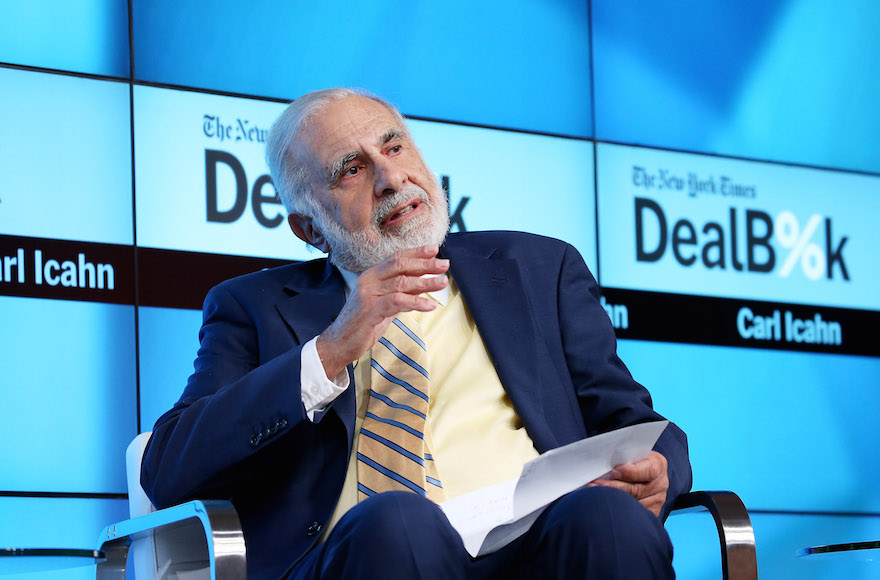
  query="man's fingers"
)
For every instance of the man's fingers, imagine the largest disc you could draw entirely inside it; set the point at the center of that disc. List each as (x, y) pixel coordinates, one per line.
(390, 305)
(395, 285)
(412, 262)
(407, 272)
(651, 495)
(412, 284)
(637, 490)
(646, 480)
(648, 469)
(399, 265)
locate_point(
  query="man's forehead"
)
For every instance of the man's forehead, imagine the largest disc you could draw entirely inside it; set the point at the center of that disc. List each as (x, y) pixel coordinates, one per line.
(350, 119)
(344, 127)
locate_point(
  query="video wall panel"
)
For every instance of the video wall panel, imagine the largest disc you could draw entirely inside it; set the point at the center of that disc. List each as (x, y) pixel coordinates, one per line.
(201, 179)
(752, 251)
(792, 81)
(712, 253)
(768, 413)
(85, 36)
(71, 369)
(528, 70)
(66, 163)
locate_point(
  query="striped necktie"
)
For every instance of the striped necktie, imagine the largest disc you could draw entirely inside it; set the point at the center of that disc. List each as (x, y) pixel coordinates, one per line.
(392, 452)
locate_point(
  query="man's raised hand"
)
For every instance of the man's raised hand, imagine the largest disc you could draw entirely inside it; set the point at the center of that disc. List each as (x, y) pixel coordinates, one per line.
(385, 290)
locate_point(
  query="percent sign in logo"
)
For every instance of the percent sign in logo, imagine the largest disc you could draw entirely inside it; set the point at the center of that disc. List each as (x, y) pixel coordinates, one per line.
(801, 248)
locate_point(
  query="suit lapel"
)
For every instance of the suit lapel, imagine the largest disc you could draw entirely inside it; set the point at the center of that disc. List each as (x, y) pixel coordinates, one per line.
(492, 289)
(314, 300)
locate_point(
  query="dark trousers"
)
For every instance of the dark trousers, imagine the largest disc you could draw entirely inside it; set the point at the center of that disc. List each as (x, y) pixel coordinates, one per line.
(594, 533)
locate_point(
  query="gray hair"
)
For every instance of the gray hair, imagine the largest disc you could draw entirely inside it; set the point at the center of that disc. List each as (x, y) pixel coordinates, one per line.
(289, 173)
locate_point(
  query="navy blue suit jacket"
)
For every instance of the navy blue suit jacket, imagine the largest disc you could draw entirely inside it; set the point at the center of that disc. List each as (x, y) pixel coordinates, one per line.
(240, 432)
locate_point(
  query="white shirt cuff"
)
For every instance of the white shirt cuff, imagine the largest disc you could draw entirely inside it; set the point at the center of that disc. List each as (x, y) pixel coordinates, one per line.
(317, 390)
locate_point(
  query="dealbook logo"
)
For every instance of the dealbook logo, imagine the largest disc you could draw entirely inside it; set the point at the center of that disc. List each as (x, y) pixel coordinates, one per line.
(216, 127)
(742, 240)
(237, 182)
(264, 202)
(262, 198)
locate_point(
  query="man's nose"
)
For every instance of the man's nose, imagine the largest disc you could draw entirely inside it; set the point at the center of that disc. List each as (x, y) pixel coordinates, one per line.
(389, 177)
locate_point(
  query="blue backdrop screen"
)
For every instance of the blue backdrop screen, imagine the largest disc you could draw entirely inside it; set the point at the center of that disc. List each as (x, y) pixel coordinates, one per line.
(717, 164)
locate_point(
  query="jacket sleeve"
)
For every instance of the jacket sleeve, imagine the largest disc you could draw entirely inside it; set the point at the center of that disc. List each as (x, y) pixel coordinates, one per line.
(232, 413)
(608, 396)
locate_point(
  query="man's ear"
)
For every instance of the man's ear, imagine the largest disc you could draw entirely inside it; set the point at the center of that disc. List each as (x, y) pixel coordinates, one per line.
(304, 228)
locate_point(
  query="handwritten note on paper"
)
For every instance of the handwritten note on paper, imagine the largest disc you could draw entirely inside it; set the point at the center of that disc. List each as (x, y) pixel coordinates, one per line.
(489, 518)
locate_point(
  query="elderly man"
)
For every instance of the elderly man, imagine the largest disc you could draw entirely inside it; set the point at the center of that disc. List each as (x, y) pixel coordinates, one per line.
(337, 401)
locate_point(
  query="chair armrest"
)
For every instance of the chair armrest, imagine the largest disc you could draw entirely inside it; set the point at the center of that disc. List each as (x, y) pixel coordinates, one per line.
(738, 557)
(214, 522)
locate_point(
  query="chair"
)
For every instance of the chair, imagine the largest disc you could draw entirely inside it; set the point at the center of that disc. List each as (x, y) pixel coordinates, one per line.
(203, 539)
(738, 556)
(191, 541)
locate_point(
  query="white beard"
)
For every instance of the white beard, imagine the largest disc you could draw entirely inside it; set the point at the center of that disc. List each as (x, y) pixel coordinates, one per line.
(360, 251)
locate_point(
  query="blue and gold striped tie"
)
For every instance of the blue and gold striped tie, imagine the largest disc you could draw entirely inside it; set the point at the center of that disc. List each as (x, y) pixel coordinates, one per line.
(392, 452)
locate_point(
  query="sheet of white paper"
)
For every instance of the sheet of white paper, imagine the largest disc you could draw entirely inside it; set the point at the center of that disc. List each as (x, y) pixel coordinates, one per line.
(508, 509)
(474, 514)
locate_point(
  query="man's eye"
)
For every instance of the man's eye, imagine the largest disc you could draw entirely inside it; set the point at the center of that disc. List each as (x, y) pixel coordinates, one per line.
(395, 150)
(353, 170)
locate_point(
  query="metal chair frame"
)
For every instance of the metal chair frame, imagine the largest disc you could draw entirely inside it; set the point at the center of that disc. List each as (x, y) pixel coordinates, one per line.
(215, 521)
(218, 523)
(739, 559)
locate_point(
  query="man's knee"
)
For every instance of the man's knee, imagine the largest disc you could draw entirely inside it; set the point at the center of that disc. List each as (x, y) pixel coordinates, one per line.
(610, 506)
(401, 534)
(386, 515)
(603, 532)
(607, 514)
